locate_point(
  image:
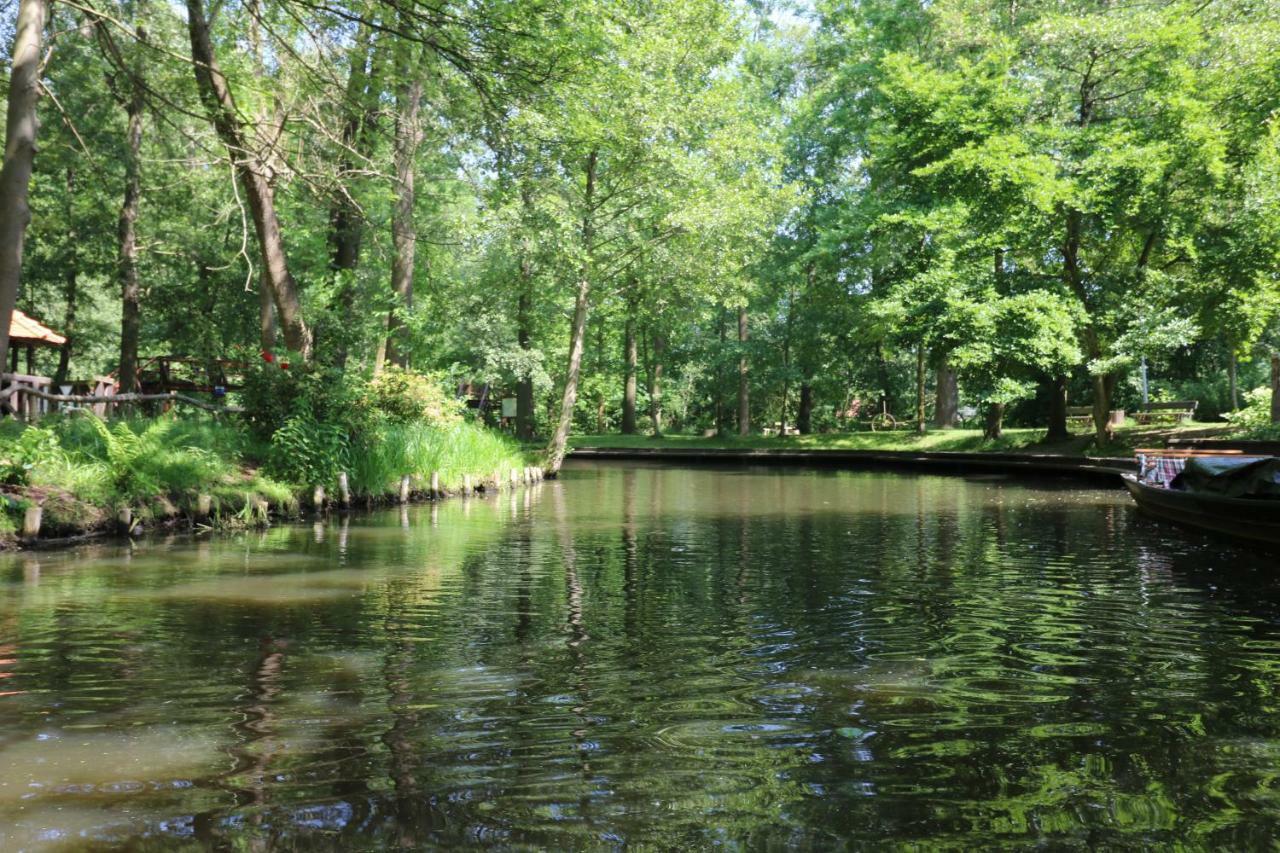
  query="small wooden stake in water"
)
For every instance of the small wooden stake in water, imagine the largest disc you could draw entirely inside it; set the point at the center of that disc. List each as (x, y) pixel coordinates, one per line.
(204, 506)
(317, 497)
(497, 481)
(404, 489)
(515, 478)
(436, 494)
(466, 484)
(344, 490)
(31, 521)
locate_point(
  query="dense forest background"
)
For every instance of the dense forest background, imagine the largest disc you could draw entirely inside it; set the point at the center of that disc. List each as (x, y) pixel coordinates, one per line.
(667, 216)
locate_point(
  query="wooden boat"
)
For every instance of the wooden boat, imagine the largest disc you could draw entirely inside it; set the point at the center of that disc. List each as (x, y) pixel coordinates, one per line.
(1249, 518)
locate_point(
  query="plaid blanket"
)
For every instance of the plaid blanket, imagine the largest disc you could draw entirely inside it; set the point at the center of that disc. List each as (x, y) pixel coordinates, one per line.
(1159, 470)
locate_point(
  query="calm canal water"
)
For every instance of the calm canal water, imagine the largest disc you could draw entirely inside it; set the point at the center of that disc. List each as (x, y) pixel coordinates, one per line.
(647, 655)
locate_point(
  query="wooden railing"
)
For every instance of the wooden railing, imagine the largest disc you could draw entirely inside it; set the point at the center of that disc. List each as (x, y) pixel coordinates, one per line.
(25, 395)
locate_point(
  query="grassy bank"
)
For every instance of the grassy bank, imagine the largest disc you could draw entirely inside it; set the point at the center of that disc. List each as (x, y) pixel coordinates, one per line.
(953, 440)
(82, 472)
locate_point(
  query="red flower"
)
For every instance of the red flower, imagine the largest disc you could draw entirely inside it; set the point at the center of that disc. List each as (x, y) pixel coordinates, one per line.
(268, 357)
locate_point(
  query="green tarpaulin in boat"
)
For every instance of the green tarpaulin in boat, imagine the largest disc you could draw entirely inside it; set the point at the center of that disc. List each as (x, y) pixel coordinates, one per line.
(1228, 477)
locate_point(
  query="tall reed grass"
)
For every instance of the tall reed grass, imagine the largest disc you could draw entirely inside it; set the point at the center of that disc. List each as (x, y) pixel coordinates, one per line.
(382, 456)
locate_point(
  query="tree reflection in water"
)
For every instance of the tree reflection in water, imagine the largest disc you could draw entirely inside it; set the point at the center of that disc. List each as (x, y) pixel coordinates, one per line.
(640, 655)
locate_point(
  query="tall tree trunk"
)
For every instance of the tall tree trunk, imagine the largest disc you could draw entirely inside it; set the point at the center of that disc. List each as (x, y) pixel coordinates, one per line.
(71, 284)
(655, 383)
(267, 327)
(921, 426)
(254, 179)
(786, 356)
(404, 231)
(994, 427)
(130, 289)
(744, 389)
(1058, 409)
(577, 333)
(629, 380)
(946, 393)
(524, 385)
(346, 227)
(1275, 388)
(804, 411)
(524, 322)
(720, 378)
(19, 156)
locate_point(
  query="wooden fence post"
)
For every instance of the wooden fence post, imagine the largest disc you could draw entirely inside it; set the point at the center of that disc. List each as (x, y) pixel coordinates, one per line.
(436, 494)
(344, 490)
(31, 521)
(404, 489)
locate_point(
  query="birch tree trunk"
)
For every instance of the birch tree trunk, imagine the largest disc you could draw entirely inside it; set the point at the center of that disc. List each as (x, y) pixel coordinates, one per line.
(253, 178)
(578, 330)
(19, 157)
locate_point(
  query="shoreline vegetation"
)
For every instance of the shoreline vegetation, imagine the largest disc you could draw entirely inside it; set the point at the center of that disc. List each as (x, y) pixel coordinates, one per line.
(1012, 440)
(308, 442)
(73, 476)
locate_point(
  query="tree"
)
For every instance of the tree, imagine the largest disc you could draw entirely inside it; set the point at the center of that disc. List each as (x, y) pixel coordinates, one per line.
(19, 157)
(251, 171)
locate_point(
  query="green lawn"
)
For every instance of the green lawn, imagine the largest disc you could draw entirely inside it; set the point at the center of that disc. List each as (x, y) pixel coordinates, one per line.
(971, 441)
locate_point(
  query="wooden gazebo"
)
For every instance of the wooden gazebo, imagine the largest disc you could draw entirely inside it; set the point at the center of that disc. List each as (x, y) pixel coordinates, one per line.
(26, 333)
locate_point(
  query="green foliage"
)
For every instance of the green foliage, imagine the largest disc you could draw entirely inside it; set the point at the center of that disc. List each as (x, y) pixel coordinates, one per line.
(33, 446)
(1255, 415)
(144, 459)
(309, 452)
(272, 395)
(393, 450)
(402, 396)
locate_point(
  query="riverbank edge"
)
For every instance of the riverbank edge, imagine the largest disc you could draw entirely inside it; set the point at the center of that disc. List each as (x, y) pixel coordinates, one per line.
(183, 520)
(1102, 469)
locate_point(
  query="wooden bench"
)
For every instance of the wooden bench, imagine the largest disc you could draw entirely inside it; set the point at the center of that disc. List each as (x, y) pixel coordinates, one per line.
(1082, 415)
(1179, 410)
